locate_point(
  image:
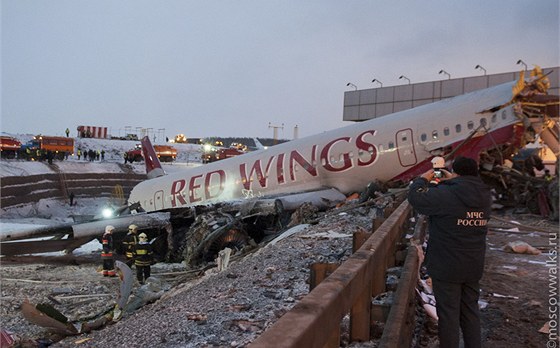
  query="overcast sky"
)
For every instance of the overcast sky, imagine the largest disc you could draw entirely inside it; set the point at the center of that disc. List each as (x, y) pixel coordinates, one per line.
(231, 68)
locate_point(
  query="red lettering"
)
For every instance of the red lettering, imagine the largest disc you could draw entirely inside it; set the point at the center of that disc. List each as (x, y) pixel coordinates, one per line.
(208, 180)
(367, 147)
(176, 189)
(192, 189)
(297, 157)
(325, 156)
(280, 168)
(256, 169)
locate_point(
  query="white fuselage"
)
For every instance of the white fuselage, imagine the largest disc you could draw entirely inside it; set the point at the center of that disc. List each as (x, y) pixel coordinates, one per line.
(347, 158)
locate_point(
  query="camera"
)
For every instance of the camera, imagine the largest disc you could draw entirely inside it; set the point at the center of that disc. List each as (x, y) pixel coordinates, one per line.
(438, 163)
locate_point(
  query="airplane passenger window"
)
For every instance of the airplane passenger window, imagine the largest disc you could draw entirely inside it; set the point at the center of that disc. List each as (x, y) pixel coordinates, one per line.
(446, 131)
(423, 137)
(434, 135)
(470, 125)
(458, 128)
(494, 118)
(483, 122)
(391, 145)
(380, 147)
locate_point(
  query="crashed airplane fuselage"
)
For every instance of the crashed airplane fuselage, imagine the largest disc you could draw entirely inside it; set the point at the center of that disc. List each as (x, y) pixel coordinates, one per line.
(391, 148)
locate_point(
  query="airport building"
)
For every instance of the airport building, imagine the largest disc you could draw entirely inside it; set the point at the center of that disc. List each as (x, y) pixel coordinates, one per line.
(365, 104)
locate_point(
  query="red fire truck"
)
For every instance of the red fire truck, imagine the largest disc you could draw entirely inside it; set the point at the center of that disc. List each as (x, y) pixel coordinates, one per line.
(165, 153)
(9, 147)
(213, 154)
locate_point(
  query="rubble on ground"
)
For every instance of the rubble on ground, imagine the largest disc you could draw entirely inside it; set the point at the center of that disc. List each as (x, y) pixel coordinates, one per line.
(205, 307)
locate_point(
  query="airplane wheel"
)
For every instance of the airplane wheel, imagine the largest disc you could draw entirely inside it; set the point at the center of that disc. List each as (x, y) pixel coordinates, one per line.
(234, 239)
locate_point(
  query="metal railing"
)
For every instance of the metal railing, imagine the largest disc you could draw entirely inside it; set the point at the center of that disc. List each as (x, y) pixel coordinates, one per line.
(315, 320)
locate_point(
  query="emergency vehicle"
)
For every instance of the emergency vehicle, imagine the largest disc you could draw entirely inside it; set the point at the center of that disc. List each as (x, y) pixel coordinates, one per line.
(215, 154)
(41, 146)
(165, 153)
(9, 147)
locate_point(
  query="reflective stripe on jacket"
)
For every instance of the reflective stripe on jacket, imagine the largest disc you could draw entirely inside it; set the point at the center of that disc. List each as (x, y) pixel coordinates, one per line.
(144, 254)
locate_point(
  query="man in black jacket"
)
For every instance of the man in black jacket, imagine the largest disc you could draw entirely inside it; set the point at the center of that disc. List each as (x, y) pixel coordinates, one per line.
(143, 258)
(458, 209)
(129, 242)
(107, 252)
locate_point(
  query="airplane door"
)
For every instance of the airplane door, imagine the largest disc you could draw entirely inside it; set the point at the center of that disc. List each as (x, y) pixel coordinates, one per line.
(405, 147)
(158, 200)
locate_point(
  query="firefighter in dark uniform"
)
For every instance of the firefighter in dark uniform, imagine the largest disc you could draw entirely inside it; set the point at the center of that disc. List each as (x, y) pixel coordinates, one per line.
(107, 252)
(144, 258)
(458, 209)
(130, 241)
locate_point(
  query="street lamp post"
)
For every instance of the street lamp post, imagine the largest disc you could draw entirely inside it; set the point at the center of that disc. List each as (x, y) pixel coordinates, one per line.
(350, 84)
(481, 68)
(522, 62)
(446, 73)
(404, 77)
(376, 80)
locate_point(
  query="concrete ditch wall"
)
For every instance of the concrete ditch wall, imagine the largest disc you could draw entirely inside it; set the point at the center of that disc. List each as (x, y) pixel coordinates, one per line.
(16, 190)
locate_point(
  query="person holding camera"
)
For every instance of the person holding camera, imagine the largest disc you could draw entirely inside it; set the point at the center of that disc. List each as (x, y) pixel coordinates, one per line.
(458, 209)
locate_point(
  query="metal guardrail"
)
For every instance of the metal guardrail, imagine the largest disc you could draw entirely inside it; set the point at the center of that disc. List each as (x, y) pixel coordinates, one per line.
(400, 322)
(315, 320)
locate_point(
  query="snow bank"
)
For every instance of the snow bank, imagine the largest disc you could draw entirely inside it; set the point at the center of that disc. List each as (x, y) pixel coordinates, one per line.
(187, 155)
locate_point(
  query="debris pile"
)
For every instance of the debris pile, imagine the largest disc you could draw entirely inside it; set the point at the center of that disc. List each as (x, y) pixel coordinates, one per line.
(234, 304)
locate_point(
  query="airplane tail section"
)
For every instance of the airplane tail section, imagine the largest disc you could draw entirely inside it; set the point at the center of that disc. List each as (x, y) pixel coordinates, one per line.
(153, 166)
(258, 144)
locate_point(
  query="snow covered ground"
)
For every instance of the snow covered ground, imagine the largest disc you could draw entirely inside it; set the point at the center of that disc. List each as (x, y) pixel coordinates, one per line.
(187, 154)
(51, 211)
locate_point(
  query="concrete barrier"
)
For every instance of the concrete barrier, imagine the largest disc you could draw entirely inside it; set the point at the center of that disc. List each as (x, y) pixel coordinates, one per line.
(19, 190)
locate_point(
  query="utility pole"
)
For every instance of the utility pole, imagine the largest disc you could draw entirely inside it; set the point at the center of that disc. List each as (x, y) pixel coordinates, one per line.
(275, 128)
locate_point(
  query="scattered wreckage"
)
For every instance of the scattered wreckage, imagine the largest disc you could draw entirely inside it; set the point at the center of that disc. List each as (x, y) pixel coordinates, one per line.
(227, 234)
(217, 229)
(193, 234)
(126, 301)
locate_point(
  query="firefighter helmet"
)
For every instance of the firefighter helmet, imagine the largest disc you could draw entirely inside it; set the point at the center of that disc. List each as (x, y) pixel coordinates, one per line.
(133, 228)
(143, 236)
(109, 229)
